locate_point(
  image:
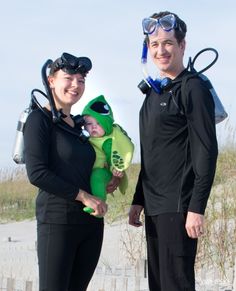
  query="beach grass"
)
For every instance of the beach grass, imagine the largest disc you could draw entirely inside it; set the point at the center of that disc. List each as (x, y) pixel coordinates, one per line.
(216, 248)
(17, 195)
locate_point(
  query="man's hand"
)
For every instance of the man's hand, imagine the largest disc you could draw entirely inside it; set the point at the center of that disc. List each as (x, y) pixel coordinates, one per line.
(134, 215)
(194, 224)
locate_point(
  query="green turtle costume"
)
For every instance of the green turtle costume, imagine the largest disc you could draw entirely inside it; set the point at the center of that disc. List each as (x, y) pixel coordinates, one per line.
(114, 150)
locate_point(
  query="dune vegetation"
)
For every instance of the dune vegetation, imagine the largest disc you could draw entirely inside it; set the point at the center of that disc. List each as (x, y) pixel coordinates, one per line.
(216, 247)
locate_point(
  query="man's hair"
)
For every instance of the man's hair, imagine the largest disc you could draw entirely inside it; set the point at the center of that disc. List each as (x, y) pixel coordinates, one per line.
(181, 28)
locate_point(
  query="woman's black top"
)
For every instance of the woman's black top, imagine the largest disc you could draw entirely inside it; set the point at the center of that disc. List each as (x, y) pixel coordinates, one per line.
(59, 164)
(178, 151)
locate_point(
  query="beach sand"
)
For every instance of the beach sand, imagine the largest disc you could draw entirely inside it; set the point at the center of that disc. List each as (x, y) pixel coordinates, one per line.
(18, 258)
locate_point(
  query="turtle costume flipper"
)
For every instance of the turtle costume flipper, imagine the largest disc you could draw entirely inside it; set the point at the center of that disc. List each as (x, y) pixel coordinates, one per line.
(122, 150)
(124, 182)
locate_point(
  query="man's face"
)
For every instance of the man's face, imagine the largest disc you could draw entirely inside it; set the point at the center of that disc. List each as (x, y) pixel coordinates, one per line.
(166, 53)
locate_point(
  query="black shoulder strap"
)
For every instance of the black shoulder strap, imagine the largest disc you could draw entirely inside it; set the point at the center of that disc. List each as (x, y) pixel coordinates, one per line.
(183, 95)
(184, 99)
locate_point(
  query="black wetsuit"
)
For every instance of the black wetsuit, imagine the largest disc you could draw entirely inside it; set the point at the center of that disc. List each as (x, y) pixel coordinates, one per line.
(178, 161)
(69, 240)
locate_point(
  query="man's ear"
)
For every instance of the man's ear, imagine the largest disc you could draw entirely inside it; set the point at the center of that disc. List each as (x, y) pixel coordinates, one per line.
(183, 44)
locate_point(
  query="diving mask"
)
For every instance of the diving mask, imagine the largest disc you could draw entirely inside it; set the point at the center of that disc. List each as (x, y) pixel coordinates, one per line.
(71, 64)
(167, 23)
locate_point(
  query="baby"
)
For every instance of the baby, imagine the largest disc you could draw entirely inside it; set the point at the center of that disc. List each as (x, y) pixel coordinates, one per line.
(113, 147)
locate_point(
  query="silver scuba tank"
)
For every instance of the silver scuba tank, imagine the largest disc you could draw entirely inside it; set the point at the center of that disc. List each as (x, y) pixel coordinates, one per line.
(18, 149)
(220, 113)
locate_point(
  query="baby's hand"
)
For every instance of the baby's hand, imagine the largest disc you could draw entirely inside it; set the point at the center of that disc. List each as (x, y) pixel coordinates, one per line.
(117, 173)
(113, 184)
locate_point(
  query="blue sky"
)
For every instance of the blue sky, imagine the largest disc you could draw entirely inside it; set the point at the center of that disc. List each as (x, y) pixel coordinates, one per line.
(109, 32)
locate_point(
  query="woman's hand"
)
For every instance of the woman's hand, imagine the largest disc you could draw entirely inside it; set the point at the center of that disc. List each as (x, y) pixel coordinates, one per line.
(99, 206)
(113, 184)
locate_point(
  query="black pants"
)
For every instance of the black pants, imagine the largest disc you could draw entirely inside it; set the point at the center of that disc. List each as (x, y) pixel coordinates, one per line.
(171, 253)
(68, 255)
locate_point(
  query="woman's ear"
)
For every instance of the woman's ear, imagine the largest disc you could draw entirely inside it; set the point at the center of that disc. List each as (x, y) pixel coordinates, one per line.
(51, 82)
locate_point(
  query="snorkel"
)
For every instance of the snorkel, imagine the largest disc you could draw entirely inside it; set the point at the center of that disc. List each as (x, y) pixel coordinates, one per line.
(150, 26)
(147, 82)
(56, 114)
(167, 22)
(71, 65)
(158, 84)
(170, 22)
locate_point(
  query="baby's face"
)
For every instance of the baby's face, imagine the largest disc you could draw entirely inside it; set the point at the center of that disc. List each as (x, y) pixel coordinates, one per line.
(93, 127)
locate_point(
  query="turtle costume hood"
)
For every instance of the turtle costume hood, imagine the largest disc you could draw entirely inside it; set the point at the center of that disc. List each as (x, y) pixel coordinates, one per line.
(99, 109)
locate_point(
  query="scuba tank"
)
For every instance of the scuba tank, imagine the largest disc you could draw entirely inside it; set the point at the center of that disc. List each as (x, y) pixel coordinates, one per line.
(18, 149)
(159, 84)
(220, 113)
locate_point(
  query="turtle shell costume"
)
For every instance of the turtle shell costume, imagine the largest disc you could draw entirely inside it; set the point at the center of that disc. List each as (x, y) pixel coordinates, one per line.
(114, 150)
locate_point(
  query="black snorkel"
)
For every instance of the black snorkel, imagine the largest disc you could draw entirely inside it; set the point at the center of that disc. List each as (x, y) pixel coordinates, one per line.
(67, 63)
(71, 65)
(56, 114)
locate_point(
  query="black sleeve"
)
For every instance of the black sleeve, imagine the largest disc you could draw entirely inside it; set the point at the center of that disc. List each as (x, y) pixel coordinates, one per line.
(138, 198)
(37, 139)
(200, 114)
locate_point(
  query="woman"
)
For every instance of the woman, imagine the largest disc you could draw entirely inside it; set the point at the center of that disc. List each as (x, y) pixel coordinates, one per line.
(59, 162)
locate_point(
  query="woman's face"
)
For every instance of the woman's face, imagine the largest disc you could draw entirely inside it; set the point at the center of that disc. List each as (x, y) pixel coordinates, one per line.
(67, 89)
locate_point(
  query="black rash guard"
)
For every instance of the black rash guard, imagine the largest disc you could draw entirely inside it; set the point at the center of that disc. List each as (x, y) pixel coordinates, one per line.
(178, 151)
(59, 164)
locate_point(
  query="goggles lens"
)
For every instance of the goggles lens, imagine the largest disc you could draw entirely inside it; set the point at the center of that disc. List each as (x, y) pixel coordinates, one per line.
(73, 65)
(167, 23)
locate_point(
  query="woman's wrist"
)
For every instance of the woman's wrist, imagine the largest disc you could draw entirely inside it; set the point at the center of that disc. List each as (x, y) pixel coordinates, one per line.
(81, 195)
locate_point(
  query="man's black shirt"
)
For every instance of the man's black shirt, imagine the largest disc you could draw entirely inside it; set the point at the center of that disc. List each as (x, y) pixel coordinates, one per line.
(178, 151)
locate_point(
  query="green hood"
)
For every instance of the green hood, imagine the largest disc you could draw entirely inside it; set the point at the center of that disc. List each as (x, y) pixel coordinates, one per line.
(99, 109)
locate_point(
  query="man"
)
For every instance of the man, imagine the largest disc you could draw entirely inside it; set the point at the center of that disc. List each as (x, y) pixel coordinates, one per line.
(178, 160)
